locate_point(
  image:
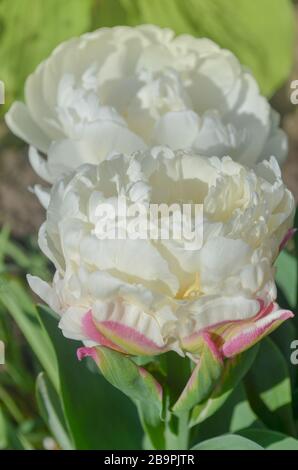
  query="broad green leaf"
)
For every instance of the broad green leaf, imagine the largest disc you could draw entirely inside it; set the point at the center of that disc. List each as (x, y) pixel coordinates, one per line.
(283, 337)
(98, 415)
(269, 389)
(203, 379)
(23, 311)
(234, 415)
(271, 440)
(286, 276)
(228, 442)
(51, 411)
(177, 371)
(29, 30)
(265, 46)
(234, 370)
(242, 415)
(140, 386)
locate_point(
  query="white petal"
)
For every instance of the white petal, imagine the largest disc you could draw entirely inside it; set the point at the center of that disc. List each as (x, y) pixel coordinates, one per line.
(44, 291)
(220, 258)
(71, 323)
(39, 165)
(210, 310)
(176, 129)
(21, 124)
(43, 195)
(100, 140)
(124, 257)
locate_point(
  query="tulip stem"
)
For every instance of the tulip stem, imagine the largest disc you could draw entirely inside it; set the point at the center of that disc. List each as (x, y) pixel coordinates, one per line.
(178, 440)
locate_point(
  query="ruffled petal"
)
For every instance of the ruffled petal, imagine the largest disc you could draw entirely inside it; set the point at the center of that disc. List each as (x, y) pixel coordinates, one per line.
(234, 337)
(124, 327)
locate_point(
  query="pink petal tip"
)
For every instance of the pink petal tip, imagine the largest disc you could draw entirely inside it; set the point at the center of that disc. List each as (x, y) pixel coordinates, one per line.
(290, 233)
(86, 352)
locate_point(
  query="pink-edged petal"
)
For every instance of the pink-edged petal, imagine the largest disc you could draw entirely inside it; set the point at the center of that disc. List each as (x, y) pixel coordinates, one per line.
(204, 376)
(290, 233)
(219, 330)
(94, 334)
(101, 357)
(86, 352)
(130, 339)
(234, 337)
(147, 377)
(120, 337)
(244, 337)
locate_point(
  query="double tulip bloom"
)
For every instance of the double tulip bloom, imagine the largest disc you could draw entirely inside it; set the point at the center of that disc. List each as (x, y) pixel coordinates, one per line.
(120, 90)
(145, 297)
(141, 114)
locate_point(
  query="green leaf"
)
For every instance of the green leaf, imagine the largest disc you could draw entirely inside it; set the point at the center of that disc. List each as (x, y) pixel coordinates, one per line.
(283, 337)
(234, 415)
(234, 370)
(176, 373)
(228, 442)
(140, 386)
(29, 30)
(98, 415)
(269, 389)
(51, 411)
(271, 440)
(23, 311)
(266, 47)
(286, 276)
(242, 415)
(203, 378)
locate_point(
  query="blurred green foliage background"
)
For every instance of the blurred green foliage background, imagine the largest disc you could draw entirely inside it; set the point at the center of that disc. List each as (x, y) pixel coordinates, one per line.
(259, 32)
(57, 410)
